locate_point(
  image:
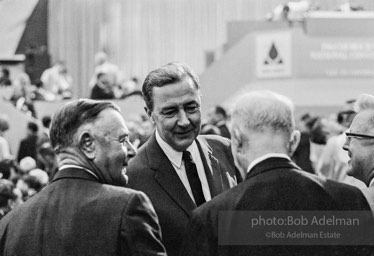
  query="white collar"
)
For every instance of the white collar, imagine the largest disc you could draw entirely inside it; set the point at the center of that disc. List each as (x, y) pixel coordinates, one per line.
(174, 156)
(222, 122)
(66, 166)
(264, 157)
(371, 182)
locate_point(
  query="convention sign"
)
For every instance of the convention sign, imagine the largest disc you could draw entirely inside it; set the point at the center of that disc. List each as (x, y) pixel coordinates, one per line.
(273, 54)
(334, 57)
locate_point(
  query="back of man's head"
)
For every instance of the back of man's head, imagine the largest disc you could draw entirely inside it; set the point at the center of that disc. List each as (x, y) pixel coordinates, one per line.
(264, 111)
(263, 122)
(70, 117)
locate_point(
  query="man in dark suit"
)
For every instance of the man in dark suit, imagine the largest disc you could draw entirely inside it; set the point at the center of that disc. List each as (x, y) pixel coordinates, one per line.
(163, 168)
(27, 146)
(263, 139)
(85, 211)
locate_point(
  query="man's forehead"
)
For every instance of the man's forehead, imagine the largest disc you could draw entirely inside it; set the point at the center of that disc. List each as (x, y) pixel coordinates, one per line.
(176, 98)
(363, 121)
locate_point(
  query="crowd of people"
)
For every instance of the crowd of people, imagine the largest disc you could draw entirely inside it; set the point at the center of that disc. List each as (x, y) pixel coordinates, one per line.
(95, 184)
(55, 83)
(26, 173)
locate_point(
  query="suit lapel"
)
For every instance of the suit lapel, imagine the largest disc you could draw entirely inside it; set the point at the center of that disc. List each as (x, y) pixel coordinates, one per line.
(269, 164)
(166, 176)
(211, 167)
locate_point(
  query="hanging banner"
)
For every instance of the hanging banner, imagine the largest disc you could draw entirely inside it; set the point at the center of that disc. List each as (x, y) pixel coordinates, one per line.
(336, 57)
(13, 18)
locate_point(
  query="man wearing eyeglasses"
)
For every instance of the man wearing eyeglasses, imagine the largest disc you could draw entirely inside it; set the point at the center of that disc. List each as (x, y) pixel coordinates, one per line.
(360, 146)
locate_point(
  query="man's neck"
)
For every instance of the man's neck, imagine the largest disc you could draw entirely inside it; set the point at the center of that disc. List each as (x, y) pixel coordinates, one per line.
(72, 157)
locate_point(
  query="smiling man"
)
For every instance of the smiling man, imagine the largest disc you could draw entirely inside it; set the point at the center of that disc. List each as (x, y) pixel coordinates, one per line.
(360, 147)
(176, 168)
(84, 211)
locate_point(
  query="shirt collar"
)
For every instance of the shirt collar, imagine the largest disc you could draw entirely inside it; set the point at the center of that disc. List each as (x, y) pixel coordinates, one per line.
(222, 122)
(66, 166)
(174, 156)
(371, 182)
(264, 157)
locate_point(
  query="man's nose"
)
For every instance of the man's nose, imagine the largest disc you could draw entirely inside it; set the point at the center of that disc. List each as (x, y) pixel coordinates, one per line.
(346, 144)
(183, 118)
(131, 150)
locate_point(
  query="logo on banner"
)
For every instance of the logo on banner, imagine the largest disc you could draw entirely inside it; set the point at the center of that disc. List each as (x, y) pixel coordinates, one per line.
(273, 55)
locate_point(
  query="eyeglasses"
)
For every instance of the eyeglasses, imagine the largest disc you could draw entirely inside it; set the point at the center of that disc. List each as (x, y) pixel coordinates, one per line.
(358, 136)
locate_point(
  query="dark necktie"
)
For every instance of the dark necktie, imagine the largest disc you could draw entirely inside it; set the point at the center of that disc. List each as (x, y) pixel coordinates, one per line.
(193, 178)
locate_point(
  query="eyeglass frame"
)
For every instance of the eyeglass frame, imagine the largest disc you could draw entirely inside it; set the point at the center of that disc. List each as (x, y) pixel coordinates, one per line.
(358, 136)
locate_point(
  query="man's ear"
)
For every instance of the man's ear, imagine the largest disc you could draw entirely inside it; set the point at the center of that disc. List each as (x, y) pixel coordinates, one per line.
(294, 142)
(236, 138)
(149, 114)
(87, 145)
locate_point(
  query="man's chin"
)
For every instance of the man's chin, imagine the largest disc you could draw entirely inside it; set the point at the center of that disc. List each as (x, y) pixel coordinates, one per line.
(182, 145)
(350, 171)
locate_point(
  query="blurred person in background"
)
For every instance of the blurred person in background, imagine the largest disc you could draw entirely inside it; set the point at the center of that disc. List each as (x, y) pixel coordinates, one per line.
(44, 134)
(29, 186)
(8, 169)
(5, 77)
(5, 153)
(23, 95)
(26, 164)
(103, 88)
(57, 81)
(302, 154)
(130, 88)
(322, 128)
(28, 145)
(217, 116)
(10, 197)
(47, 159)
(209, 129)
(103, 65)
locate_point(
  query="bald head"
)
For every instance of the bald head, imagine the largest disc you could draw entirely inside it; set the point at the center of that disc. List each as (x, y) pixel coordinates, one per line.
(364, 101)
(364, 122)
(264, 111)
(262, 122)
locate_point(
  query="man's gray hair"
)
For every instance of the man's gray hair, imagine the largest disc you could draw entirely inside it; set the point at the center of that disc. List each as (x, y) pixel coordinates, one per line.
(364, 101)
(71, 116)
(264, 110)
(171, 73)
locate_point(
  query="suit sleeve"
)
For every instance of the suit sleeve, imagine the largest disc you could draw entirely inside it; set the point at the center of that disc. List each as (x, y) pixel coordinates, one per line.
(199, 238)
(140, 230)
